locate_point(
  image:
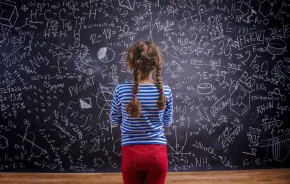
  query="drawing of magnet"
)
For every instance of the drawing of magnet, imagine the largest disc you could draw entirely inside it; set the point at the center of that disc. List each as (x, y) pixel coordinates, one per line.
(204, 89)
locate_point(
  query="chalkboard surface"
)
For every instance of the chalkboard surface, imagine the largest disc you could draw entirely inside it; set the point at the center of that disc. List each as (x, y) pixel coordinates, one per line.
(226, 61)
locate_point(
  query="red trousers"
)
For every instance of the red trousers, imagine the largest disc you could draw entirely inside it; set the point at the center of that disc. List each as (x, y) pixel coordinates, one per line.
(144, 164)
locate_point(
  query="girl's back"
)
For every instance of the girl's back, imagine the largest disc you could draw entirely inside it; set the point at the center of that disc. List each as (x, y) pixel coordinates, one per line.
(148, 128)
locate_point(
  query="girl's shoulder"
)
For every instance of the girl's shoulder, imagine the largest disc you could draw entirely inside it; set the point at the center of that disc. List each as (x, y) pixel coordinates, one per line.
(166, 87)
(126, 85)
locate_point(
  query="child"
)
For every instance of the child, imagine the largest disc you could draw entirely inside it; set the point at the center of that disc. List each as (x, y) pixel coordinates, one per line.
(143, 108)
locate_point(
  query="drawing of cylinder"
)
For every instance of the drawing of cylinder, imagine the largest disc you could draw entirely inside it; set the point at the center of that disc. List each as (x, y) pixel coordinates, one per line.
(8, 14)
(204, 88)
(276, 47)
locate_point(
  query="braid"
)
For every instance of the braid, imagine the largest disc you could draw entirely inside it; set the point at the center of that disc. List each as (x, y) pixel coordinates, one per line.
(136, 81)
(134, 107)
(162, 99)
(143, 58)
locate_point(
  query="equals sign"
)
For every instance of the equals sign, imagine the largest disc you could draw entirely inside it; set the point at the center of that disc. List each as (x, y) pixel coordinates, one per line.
(16, 157)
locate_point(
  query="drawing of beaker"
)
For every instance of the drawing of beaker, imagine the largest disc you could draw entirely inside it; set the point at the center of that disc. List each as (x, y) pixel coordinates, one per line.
(281, 147)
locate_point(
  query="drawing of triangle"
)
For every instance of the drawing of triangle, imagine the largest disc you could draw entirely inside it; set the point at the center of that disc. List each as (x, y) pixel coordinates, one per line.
(28, 48)
(129, 4)
(173, 63)
(157, 3)
(85, 105)
(175, 67)
(179, 69)
(202, 9)
(202, 113)
(167, 70)
(189, 4)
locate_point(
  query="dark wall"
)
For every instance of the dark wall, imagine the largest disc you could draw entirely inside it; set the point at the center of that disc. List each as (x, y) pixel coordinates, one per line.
(227, 63)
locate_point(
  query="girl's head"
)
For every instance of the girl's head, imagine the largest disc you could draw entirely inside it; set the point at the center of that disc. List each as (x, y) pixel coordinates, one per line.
(143, 58)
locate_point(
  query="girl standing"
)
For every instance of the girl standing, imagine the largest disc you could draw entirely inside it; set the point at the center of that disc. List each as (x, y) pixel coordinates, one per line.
(143, 108)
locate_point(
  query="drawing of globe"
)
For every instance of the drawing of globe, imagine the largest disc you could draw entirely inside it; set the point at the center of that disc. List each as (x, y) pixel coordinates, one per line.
(106, 54)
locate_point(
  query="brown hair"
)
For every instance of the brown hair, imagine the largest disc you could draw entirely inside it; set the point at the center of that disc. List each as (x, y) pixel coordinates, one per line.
(145, 57)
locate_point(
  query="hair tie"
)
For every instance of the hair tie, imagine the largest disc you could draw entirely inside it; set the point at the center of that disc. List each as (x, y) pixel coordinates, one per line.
(134, 95)
(161, 92)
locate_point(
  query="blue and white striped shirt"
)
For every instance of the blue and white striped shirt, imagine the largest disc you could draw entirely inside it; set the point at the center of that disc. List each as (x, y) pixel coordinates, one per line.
(149, 127)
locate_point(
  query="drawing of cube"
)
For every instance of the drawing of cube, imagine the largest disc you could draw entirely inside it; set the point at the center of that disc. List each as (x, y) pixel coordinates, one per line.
(8, 14)
(117, 148)
(99, 162)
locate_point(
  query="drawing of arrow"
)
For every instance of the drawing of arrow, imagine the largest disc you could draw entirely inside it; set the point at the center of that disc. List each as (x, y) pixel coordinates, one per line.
(240, 56)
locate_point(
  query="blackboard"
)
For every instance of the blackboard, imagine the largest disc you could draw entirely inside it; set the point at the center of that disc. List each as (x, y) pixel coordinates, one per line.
(227, 63)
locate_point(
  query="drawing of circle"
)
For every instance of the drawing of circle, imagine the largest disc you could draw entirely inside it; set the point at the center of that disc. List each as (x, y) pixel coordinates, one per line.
(103, 100)
(106, 55)
(204, 88)
(276, 46)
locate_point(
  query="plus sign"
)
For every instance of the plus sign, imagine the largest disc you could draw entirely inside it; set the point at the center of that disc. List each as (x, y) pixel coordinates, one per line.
(24, 8)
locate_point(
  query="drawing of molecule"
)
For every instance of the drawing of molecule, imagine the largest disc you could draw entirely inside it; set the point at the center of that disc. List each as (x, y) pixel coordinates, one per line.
(240, 100)
(265, 8)
(3, 142)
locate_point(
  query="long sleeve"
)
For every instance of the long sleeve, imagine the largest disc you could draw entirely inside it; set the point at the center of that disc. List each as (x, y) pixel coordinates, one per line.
(115, 112)
(168, 112)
